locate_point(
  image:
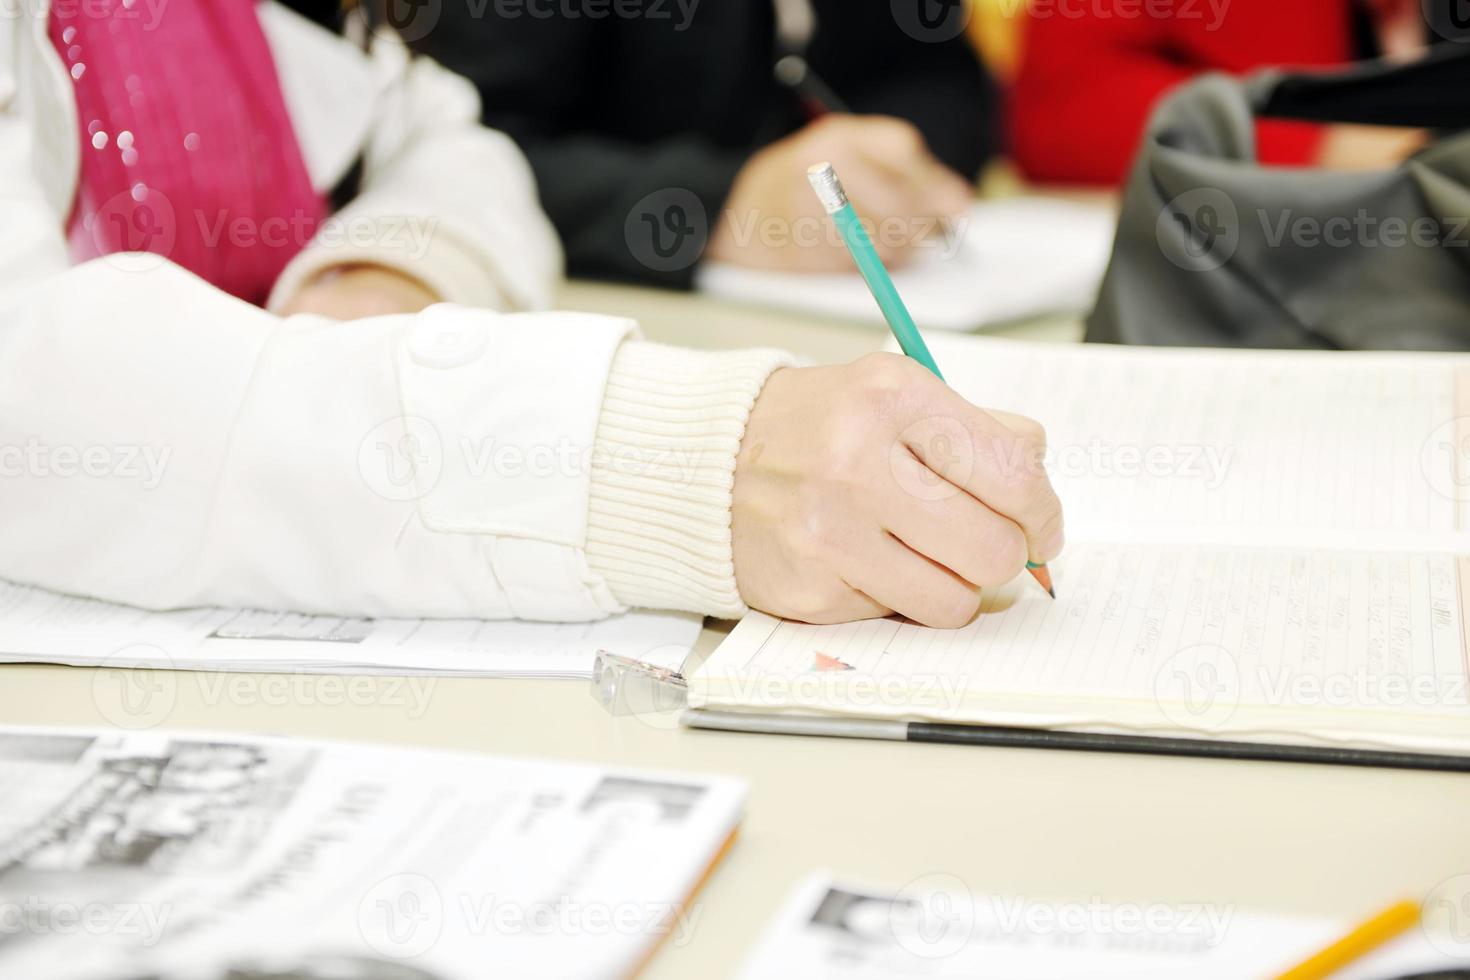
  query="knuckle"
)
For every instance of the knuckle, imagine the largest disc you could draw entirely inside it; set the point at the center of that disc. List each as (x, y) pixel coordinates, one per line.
(957, 607)
(822, 129)
(868, 395)
(816, 534)
(902, 135)
(1003, 555)
(1032, 432)
(1029, 450)
(1051, 530)
(842, 610)
(1019, 462)
(842, 459)
(834, 132)
(806, 606)
(886, 374)
(819, 606)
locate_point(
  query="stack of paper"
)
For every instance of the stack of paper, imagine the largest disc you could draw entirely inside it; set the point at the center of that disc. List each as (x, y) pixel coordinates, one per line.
(1013, 258)
(214, 857)
(43, 627)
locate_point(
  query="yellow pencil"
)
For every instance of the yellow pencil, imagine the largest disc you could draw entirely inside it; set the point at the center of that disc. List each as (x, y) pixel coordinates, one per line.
(1391, 922)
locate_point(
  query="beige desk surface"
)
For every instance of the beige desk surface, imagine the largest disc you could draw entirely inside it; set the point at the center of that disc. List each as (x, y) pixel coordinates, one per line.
(1045, 825)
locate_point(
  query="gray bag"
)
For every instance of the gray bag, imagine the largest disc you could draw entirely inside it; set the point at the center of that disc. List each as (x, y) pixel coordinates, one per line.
(1215, 250)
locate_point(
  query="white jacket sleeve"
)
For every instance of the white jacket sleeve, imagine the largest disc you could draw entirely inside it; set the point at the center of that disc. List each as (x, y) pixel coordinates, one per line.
(442, 198)
(166, 445)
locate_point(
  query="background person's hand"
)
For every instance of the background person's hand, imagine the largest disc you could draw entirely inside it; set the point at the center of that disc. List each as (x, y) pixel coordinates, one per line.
(1359, 148)
(356, 291)
(873, 487)
(772, 220)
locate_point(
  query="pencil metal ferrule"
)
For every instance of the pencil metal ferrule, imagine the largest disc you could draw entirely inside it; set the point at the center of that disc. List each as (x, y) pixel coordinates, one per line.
(829, 189)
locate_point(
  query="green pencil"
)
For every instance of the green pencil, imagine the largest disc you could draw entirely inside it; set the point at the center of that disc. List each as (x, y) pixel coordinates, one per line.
(834, 200)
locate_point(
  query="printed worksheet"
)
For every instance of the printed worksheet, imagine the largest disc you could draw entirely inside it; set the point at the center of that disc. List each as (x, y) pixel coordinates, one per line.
(37, 626)
(938, 927)
(191, 856)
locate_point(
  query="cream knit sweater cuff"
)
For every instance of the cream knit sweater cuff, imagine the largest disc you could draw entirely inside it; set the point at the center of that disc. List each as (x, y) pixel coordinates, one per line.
(663, 468)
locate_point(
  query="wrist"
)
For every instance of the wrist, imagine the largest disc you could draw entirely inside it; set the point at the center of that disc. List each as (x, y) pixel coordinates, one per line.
(663, 472)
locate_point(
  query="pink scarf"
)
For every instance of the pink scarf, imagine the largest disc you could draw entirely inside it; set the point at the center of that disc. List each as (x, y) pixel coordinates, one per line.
(187, 149)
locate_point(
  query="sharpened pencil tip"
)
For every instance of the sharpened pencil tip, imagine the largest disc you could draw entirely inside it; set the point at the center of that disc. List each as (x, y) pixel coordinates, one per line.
(1042, 574)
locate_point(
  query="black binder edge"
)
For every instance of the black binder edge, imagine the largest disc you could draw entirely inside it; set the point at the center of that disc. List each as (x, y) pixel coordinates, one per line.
(1066, 741)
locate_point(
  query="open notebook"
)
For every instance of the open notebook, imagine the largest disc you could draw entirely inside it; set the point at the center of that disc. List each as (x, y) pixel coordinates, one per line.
(1262, 547)
(1020, 257)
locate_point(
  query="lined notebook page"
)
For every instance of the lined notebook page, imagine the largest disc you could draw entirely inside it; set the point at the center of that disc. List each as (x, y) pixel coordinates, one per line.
(1237, 445)
(1159, 626)
(1252, 535)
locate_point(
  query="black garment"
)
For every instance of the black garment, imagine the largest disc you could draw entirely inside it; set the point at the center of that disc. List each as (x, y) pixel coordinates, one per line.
(327, 13)
(639, 124)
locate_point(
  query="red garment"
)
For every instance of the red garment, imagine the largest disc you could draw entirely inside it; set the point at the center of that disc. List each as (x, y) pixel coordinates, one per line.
(1090, 75)
(187, 149)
